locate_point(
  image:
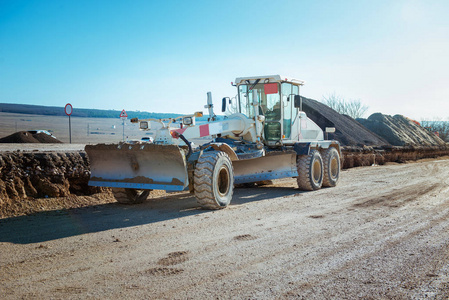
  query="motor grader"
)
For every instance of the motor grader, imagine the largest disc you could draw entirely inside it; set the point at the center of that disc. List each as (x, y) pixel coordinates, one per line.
(264, 135)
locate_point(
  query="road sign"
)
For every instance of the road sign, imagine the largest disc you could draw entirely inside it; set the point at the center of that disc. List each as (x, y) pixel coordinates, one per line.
(68, 109)
(123, 116)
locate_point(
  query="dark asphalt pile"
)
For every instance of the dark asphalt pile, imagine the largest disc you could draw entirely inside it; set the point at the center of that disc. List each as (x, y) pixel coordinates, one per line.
(29, 137)
(400, 131)
(348, 132)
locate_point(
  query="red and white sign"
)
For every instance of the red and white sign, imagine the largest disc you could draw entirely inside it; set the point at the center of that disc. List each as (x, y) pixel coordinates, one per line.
(123, 114)
(68, 109)
(201, 131)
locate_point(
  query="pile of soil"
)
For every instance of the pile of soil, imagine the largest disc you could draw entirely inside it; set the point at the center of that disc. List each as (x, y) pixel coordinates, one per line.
(30, 137)
(43, 175)
(400, 131)
(368, 156)
(348, 132)
(46, 139)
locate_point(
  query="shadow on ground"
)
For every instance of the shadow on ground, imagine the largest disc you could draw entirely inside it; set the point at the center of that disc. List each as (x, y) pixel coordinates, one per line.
(51, 225)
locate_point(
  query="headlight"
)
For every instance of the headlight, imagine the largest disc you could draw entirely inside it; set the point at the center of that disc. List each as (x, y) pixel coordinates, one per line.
(143, 125)
(188, 121)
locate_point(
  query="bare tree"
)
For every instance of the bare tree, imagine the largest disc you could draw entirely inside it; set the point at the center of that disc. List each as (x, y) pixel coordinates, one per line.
(352, 108)
(438, 126)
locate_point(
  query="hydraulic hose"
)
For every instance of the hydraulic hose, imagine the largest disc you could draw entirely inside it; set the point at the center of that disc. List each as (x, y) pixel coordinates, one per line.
(188, 145)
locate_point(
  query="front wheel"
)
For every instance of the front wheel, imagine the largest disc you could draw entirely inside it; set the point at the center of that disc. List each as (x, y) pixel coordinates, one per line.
(310, 171)
(214, 180)
(130, 196)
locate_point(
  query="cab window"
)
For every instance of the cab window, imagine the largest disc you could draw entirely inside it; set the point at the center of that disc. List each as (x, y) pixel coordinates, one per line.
(267, 96)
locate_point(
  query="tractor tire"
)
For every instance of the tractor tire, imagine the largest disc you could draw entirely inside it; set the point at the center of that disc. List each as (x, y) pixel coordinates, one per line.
(331, 166)
(310, 171)
(130, 196)
(214, 180)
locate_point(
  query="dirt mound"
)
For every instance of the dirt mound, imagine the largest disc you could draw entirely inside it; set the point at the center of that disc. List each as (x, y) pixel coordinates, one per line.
(400, 131)
(348, 132)
(46, 139)
(42, 175)
(29, 137)
(19, 137)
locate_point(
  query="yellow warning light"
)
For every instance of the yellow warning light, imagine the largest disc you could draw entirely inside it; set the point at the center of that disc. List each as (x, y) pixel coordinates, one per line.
(283, 136)
(198, 114)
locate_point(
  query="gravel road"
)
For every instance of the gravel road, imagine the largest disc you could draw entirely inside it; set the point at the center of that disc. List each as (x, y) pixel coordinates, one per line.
(382, 233)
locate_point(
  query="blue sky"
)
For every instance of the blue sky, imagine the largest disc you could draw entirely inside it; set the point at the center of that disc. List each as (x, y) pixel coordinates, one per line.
(164, 56)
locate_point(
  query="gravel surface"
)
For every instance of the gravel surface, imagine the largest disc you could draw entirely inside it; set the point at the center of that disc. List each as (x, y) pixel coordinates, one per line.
(380, 234)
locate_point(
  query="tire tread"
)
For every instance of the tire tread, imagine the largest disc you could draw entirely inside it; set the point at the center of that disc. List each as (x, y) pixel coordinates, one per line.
(304, 167)
(203, 180)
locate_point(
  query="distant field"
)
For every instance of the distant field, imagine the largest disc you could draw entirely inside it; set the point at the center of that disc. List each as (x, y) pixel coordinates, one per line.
(84, 130)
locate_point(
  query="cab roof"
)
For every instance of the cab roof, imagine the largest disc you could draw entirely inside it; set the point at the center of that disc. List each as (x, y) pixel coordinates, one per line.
(267, 79)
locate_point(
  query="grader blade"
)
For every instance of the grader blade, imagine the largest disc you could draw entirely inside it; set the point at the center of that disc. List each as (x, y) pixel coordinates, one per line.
(138, 166)
(273, 166)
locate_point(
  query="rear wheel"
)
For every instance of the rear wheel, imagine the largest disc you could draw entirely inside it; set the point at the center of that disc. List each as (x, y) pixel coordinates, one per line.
(130, 196)
(331, 166)
(310, 171)
(214, 180)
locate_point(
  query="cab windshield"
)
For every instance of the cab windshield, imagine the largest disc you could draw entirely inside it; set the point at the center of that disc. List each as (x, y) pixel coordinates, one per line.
(268, 98)
(275, 103)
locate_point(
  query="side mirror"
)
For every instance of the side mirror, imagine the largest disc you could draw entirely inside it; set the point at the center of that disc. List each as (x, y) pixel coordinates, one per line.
(298, 102)
(223, 103)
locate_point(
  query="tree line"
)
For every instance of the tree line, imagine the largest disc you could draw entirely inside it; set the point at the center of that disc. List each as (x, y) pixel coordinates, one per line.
(352, 108)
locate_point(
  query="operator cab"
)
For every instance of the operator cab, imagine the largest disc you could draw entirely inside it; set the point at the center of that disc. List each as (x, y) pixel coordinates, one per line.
(276, 98)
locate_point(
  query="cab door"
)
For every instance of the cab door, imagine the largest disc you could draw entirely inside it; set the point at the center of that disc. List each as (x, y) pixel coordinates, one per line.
(286, 91)
(272, 110)
(289, 112)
